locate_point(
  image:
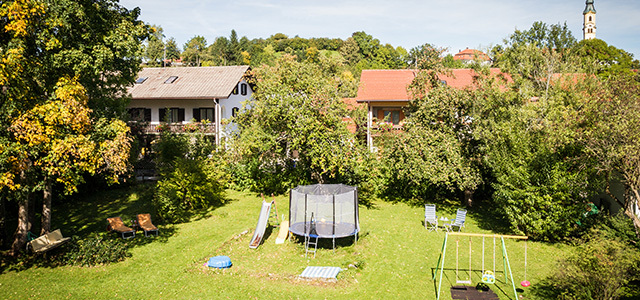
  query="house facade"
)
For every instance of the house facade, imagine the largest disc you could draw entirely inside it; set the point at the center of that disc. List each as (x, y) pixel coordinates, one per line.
(178, 99)
(385, 92)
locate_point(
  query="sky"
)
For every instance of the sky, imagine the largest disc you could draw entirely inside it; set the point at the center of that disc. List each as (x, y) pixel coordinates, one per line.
(452, 24)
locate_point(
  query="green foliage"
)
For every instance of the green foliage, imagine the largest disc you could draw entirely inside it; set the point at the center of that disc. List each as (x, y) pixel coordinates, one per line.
(294, 132)
(601, 267)
(608, 59)
(193, 186)
(193, 178)
(194, 51)
(97, 249)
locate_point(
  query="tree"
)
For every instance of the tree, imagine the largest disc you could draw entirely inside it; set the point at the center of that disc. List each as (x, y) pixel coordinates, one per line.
(293, 133)
(58, 139)
(612, 137)
(171, 49)
(47, 67)
(194, 51)
(608, 60)
(350, 51)
(155, 49)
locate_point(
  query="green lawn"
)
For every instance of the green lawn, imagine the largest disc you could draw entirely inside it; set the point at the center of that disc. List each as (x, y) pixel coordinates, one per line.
(394, 258)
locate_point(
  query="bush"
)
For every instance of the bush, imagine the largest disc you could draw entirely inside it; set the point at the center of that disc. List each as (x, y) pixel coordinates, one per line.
(193, 185)
(102, 248)
(602, 267)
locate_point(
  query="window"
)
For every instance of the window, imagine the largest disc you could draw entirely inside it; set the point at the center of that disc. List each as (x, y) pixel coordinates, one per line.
(204, 113)
(235, 90)
(589, 18)
(392, 116)
(172, 115)
(243, 89)
(234, 111)
(140, 80)
(139, 114)
(171, 79)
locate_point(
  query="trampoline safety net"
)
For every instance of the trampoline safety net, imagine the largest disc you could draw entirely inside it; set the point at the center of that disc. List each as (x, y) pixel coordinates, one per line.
(334, 208)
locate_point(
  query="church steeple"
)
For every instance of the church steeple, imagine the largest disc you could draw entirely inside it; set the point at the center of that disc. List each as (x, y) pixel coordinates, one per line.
(589, 7)
(589, 24)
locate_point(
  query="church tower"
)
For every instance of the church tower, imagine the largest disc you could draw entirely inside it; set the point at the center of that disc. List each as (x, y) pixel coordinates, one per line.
(589, 25)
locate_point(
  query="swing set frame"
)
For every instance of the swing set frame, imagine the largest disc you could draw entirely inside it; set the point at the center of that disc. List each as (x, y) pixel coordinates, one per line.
(505, 257)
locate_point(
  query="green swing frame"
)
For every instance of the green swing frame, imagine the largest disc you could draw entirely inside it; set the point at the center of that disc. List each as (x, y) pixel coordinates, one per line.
(505, 257)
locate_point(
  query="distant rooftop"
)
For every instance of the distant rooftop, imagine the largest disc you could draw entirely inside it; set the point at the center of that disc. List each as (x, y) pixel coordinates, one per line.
(471, 54)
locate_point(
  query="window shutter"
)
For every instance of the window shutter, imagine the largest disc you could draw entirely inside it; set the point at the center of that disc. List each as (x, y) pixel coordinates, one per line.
(196, 114)
(180, 114)
(147, 114)
(163, 114)
(243, 89)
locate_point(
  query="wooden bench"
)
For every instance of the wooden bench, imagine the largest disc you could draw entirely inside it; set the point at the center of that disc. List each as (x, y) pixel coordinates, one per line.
(48, 241)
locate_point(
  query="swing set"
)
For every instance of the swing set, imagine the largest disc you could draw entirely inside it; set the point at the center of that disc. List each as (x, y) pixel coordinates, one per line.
(488, 276)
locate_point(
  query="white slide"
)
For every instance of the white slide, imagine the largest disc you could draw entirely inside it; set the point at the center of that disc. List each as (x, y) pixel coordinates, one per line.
(261, 226)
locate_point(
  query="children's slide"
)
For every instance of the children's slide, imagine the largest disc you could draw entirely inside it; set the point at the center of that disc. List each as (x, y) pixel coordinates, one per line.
(261, 226)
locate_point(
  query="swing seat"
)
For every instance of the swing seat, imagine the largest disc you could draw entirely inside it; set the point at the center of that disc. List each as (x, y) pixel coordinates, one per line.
(488, 277)
(463, 281)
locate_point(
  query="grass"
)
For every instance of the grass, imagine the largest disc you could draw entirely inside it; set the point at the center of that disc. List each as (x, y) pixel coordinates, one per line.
(394, 258)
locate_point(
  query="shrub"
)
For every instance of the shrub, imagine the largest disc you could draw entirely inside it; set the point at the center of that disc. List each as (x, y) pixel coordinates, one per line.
(600, 268)
(193, 185)
(102, 248)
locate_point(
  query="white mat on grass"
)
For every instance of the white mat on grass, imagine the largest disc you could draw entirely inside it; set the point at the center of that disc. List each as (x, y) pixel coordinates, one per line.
(320, 272)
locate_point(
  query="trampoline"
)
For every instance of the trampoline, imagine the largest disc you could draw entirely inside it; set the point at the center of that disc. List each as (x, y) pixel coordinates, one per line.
(324, 211)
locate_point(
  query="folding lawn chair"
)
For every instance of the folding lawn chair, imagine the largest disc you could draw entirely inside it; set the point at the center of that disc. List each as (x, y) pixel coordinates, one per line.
(430, 218)
(461, 215)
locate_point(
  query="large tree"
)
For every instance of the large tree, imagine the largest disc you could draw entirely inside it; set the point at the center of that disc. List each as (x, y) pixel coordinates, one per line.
(294, 132)
(194, 51)
(60, 61)
(613, 138)
(154, 51)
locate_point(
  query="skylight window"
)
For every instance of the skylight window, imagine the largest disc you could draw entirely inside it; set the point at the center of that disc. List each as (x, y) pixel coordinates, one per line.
(171, 79)
(141, 80)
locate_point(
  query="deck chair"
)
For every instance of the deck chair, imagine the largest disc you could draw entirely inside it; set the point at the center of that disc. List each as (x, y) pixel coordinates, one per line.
(116, 224)
(144, 222)
(430, 219)
(461, 215)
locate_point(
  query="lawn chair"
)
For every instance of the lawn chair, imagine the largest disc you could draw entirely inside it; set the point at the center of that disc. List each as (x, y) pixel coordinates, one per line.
(430, 219)
(116, 224)
(461, 215)
(144, 222)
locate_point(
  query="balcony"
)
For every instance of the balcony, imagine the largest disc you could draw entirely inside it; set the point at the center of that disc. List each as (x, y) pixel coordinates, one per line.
(156, 129)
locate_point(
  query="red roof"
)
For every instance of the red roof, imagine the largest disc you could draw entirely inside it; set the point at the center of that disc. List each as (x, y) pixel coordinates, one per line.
(391, 85)
(471, 54)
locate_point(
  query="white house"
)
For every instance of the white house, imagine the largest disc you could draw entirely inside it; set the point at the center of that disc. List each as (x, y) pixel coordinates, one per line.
(178, 96)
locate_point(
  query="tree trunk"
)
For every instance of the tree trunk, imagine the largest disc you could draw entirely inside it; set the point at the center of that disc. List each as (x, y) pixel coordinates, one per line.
(20, 236)
(45, 224)
(32, 213)
(468, 198)
(628, 209)
(2, 221)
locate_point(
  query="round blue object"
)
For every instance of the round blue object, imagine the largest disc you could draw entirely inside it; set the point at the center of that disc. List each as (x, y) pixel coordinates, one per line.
(220, 262)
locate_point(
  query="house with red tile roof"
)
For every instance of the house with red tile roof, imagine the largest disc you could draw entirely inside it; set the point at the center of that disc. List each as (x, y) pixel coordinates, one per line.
(469, 55)
(385, 92)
